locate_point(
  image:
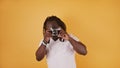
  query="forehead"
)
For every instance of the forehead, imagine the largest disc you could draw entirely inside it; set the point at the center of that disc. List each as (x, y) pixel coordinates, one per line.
(52, 24)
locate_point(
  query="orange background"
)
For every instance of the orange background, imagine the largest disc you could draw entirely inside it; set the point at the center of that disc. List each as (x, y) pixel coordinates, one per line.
(96, 23)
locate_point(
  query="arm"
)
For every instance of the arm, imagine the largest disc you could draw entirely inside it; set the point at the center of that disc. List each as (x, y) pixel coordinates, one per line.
(78, 46)
(41, 52)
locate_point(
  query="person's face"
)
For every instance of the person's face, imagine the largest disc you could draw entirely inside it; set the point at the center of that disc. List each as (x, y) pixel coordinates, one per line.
(51, 24)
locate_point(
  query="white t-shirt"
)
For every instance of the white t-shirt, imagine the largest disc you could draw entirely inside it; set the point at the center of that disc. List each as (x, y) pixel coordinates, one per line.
(60, 54)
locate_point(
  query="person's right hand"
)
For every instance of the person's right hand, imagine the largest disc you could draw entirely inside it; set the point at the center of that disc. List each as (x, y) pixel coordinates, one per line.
(47, 35)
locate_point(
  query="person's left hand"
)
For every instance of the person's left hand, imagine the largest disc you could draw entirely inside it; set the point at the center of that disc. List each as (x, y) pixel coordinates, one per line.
(64, 35)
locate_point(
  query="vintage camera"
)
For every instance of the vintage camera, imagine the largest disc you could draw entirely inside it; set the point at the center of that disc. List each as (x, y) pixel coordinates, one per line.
(55, 31)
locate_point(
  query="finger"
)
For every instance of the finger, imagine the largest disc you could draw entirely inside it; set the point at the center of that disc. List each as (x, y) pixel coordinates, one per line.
(61, 32)
(59, 35)
(47, 33)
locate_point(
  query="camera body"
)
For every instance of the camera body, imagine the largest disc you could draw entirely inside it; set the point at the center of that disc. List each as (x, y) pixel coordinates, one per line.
(55, 31)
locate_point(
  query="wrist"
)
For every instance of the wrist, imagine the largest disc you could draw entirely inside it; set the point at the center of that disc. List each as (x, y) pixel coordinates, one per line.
(69, 38)
(44, 43)
(46, 39)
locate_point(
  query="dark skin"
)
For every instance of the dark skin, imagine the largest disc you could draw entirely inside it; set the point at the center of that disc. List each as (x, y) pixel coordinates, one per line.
(78, 46)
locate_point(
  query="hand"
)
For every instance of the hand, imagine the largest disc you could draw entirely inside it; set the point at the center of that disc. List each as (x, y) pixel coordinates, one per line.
(47, 35)
(64, 35)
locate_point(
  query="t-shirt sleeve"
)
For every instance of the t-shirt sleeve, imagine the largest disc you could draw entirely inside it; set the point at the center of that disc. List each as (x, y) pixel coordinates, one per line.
(40, 42)
(74, 37)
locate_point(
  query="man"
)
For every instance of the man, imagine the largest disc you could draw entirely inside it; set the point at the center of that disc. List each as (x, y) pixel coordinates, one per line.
(58, 45)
